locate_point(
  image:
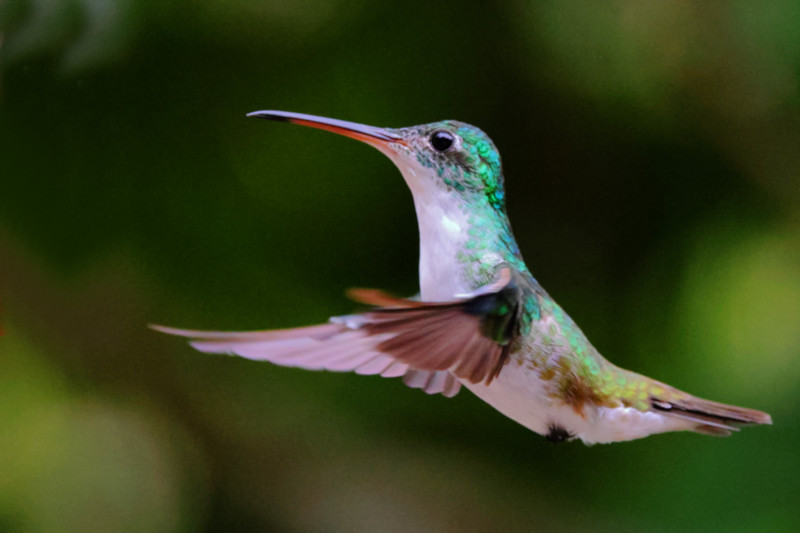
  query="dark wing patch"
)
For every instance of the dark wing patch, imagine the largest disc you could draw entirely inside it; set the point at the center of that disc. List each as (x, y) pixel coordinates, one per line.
(471, 338)
(438, 338)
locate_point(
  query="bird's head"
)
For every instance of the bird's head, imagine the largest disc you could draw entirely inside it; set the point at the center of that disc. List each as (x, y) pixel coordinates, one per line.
(448, 157)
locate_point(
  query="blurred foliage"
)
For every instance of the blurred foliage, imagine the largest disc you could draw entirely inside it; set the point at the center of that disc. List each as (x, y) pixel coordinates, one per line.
(651, 157)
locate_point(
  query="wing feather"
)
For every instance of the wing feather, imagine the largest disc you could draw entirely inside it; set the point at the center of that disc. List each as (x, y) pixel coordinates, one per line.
(430, 344)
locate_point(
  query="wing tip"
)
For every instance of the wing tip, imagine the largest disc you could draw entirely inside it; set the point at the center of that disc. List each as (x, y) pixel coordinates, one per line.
(168, 330)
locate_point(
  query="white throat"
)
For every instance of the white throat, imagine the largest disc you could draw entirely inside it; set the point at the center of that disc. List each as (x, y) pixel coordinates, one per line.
(442, 233)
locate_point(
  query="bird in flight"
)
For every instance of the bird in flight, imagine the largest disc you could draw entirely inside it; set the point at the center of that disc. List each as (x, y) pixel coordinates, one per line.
(482, 320)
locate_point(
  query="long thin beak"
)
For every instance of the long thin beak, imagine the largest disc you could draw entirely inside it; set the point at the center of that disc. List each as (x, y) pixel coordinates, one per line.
(378, 137)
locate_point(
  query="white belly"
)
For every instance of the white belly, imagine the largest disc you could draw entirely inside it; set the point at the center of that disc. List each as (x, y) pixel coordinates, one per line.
(519, 394)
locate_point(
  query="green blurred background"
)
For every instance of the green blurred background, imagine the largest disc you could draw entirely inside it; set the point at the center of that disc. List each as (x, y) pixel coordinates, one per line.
(652, 159)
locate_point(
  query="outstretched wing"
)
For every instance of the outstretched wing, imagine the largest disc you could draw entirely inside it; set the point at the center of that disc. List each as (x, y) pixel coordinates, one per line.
(429, 344)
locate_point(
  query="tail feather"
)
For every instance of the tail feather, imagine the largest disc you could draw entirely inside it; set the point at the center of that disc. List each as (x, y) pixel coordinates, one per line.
(711, 418)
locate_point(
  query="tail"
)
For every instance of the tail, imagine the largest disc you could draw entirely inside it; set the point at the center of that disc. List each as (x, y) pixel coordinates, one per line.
(710, 418)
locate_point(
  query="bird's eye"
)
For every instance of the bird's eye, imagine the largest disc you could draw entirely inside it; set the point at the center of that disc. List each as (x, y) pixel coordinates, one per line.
(442, 140)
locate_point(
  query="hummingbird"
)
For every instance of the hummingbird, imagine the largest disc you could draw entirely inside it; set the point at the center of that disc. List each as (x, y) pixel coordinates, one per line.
(481, 320)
